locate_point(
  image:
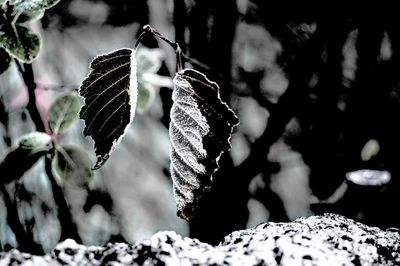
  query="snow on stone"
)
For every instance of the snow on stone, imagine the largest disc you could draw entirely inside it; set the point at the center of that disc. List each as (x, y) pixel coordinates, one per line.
(317, 240)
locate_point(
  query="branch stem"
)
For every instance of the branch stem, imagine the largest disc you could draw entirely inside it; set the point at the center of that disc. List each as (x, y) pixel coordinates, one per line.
(26, 72)
(150, 30)
(68, 227)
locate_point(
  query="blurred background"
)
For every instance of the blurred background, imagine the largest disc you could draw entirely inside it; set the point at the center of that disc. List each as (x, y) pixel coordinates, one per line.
(317, 95)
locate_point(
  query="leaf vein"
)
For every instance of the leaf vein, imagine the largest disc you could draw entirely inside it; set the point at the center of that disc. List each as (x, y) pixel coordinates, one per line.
(102, 76)
(102, 108)
(101, 93)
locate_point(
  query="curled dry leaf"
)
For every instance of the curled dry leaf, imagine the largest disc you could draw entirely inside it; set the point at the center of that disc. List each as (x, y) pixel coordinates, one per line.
(200, 131)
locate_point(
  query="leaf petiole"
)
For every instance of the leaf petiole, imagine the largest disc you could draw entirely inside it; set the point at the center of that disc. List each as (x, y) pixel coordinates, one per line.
(150, 30)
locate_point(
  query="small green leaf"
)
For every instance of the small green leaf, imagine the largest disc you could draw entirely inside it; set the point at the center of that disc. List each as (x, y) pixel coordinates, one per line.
(20, 42)
(32, 5)
(63, 112)
(21, 158)
(35, 142)
(146, 93)
(73, 165)
(149, 60)
(5, 60)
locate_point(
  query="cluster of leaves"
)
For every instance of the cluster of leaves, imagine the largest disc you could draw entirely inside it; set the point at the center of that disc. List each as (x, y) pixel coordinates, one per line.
(70, 163)
(16, 40)
(201, 123)
(116, 87)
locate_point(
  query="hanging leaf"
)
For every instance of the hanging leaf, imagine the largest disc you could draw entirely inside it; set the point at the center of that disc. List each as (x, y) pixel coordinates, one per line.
(200, 131)
(63, 112)
(20, 42)
(5, 60)
(20, 159)
(73, 165)
(110, 92)
(32, 6)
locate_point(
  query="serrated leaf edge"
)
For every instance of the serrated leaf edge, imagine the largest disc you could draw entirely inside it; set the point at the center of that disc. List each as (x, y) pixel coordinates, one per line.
(132, 81)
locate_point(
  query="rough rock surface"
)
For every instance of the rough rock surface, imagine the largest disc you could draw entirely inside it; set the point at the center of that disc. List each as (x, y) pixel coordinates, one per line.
(318, 240)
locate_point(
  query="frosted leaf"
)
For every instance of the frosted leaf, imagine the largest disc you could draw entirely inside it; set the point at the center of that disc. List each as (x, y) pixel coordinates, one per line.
(110, 92)
(200, 131)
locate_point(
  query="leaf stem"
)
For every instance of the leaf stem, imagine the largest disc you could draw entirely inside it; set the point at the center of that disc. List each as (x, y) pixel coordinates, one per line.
(68, 227)
(150, 30)
(146, 30)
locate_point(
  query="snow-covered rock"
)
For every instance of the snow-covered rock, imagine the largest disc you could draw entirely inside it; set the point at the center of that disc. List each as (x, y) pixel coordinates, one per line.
(317, 240)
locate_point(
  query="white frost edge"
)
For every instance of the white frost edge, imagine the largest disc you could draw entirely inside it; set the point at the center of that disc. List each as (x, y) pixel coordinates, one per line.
(132, 100)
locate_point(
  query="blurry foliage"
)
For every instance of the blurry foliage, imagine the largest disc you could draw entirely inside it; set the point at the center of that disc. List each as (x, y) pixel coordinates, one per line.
(149, 82)
(64, 164)
(63, 112)
(318, 94)
(73, 165)
(22, 157)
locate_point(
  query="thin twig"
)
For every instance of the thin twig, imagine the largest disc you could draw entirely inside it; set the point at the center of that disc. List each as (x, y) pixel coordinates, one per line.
(150, 30)
(146, 31)
(26, 72)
